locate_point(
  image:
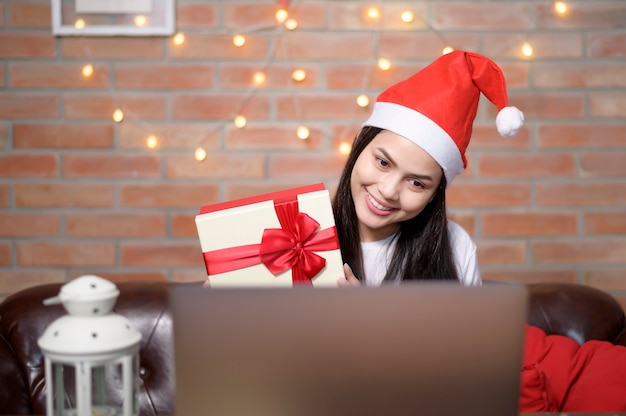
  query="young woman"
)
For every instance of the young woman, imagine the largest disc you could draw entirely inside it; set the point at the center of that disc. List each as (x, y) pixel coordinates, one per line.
(390, 205)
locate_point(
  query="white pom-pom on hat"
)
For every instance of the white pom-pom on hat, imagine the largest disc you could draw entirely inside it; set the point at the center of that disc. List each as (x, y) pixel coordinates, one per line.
(509, 121)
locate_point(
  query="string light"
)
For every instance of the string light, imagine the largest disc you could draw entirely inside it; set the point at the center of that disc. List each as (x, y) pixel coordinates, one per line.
(384, 64)
(79, 24)
(87, 70)
(140, 21)
(258, 78)
(281, 15)
(178, 39)
(298, 75)
(239, 40)
(303, 133)
(362, 100)
(240, 122)
(200, 154)
(291, 24)
(151, 142)
(527, 49)
(373, 13)
(560, 7)
(118, 115)
(447, 50)
(345, 148)
(407, 16)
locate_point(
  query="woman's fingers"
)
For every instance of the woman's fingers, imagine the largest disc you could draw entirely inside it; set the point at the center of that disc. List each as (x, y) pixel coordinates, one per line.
(350, 279)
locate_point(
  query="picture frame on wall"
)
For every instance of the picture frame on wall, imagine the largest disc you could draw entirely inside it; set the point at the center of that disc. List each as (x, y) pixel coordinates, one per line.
(113, 17)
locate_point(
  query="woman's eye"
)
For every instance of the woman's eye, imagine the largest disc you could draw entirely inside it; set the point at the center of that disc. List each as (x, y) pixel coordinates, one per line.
(417, 184)
(382, 162)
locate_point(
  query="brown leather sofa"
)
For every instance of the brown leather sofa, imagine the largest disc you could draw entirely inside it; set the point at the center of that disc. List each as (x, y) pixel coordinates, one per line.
(580, 312)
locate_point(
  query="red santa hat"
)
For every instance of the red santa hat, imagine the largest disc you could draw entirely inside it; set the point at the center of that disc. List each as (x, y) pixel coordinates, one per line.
(435, 108)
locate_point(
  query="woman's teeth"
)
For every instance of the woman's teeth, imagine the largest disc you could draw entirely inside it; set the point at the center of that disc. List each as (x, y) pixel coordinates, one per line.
(377, 205)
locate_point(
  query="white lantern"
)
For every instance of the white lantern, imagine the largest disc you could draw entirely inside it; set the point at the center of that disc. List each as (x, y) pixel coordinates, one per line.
(91, 352)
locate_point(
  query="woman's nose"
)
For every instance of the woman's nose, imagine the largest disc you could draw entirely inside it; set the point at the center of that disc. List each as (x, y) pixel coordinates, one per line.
(388, 187)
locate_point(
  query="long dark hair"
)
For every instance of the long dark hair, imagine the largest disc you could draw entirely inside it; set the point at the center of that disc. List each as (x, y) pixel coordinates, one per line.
(423, 249)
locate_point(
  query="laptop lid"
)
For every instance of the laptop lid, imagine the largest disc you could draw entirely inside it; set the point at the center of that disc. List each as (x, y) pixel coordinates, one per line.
(423, 348)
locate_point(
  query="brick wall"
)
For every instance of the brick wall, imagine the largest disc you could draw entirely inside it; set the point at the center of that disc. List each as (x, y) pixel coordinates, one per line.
(80, 193)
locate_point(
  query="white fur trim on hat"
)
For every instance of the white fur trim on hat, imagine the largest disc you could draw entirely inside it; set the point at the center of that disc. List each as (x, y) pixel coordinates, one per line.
(420, 130)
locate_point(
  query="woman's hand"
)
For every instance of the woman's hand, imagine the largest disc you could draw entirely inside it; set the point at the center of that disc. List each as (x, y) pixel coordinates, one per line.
(350, 279)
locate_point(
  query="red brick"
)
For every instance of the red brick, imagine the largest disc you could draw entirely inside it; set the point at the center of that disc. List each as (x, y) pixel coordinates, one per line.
(6, 254)
(501, 252)
(530, 275)
(111, 166)
(240, 77)
(581, 15)
(272, 137)
(1, 17)
(608, 104)
(16, 224)
(63, 136)
(549, 105)
(605, 222)
(351, 77)
(184, 225)
(501, 194)
(604, 251)
(161, 254)
(465, 220)
(33, 105)
(4, 136)
(528, 224)
(196, 274)
(585, 135)
(485, 137)
(608, 280)
(241, 16)
(603, 164)
(515, 165)
(5, 195)
(121, 47)
(216, 165)
(238, 190)
(480, 15)
(545, 45)
(579, 74)
(353, 16)
(13, 280)
(29, 14)
(400, 46)
(581, 194)
(65, 253)
(167, 195)
(169, 135)
(604, 45)
(63, 195)
(195, 15)
(115, 225)
(117, 276)
(218, 107)
(27, 45)
(325, 46)
(221, 47)
(29, 165)
(2, 77)
(56, 75)
(321, 107)
(310, 165)
(102, 106)
(164, 76)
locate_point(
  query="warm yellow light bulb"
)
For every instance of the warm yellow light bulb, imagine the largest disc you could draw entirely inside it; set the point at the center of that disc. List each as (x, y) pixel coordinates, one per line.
(200, 154)
(281, 15)
(179, 39)
(291, 24)
(373, 13)
(140, 21)
(407, 16)
(239, 40)
(298, 75)
(87, 70)
(384, 64)
(345, 148)
(527, 49)
(151, 142)
(79, 24)
(240, 121)
(560, 7)
(447, 50)
(258, 78)
(303, 133)
(362, 100)
(118, 115)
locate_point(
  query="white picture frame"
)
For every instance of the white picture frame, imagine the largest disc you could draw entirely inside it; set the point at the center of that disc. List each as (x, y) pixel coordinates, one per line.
(113, 17)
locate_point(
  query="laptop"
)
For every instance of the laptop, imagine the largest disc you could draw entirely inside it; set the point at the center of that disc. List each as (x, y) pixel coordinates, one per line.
(410, 349)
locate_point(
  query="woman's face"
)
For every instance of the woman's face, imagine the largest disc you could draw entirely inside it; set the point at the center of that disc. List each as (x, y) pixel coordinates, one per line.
(392, 181)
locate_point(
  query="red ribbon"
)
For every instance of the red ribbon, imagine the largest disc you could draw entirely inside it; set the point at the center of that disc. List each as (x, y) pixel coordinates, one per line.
(290, 247)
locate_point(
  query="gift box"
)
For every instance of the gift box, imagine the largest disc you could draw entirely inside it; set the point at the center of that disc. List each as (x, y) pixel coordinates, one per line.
(282, 238)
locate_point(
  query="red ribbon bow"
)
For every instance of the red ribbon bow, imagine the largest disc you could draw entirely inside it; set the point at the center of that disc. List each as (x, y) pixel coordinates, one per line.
(291, 246)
